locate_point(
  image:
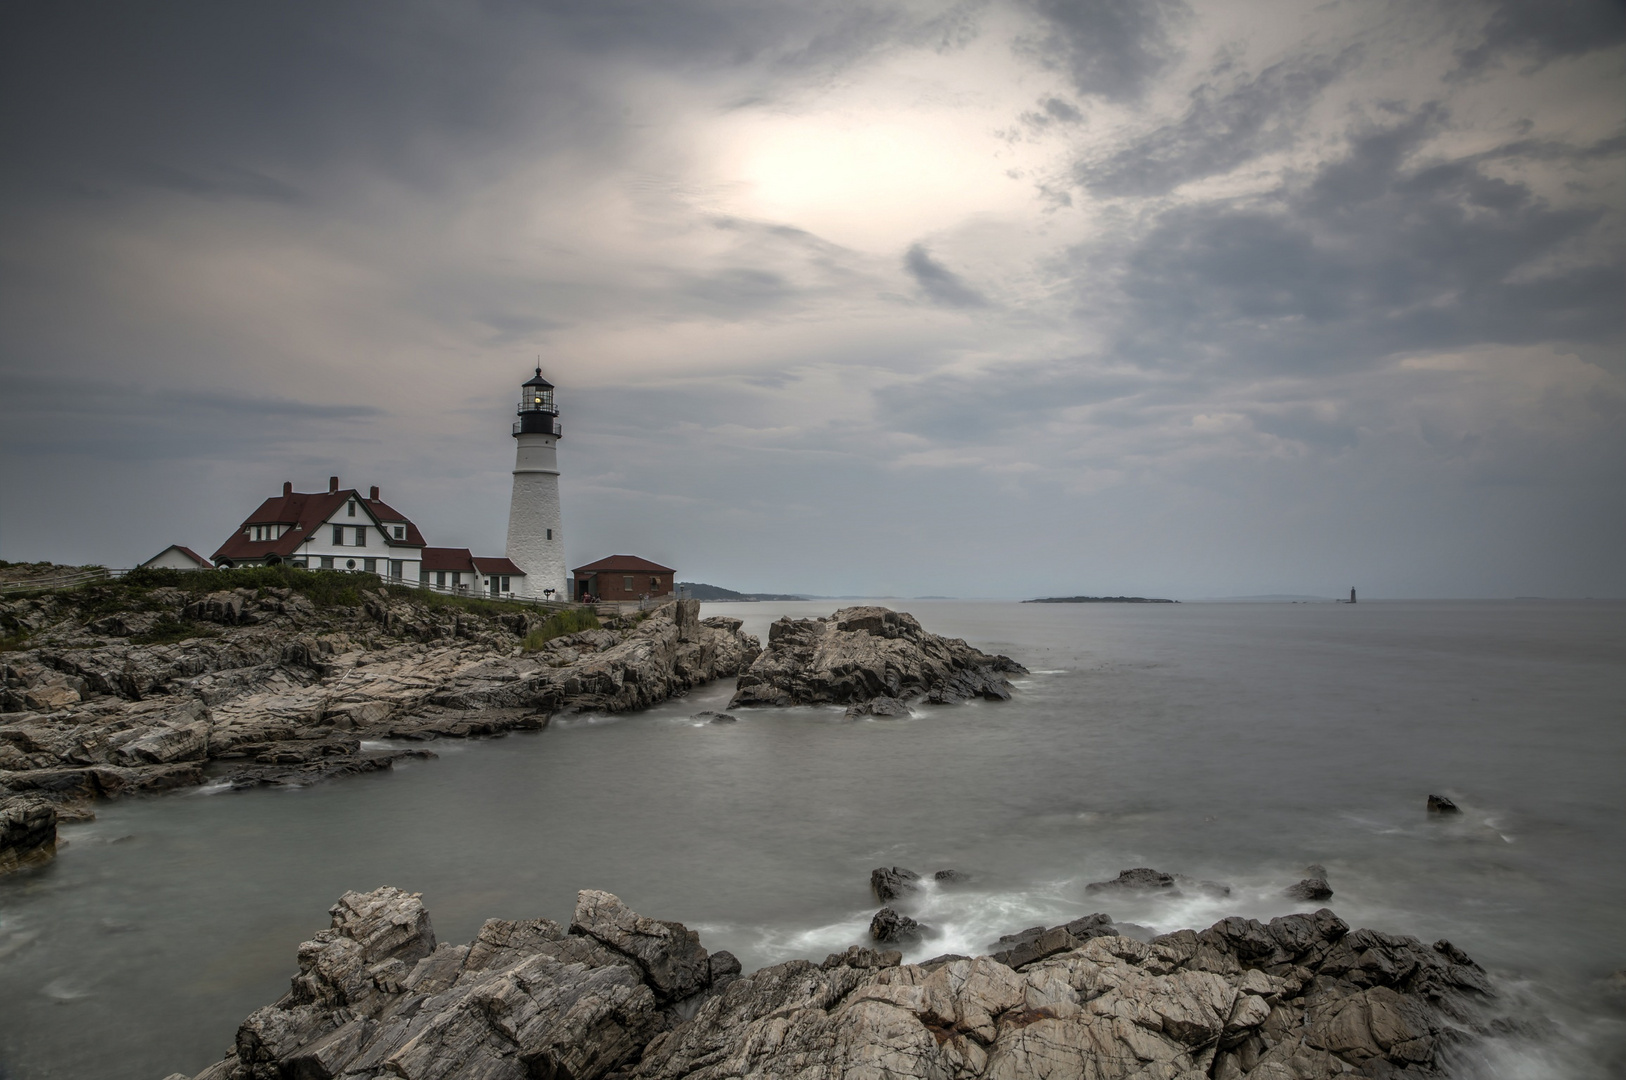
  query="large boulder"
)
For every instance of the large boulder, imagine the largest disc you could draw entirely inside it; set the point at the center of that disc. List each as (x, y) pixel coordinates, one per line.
(871, 659)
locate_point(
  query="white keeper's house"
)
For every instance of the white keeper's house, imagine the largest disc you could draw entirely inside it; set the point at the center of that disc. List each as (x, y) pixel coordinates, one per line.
(341, 529)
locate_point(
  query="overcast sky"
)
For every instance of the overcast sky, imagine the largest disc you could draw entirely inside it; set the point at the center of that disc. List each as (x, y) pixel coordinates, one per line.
(980, 299)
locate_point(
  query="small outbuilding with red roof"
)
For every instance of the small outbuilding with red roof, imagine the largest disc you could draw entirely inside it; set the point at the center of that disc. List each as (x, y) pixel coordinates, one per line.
(623, 577)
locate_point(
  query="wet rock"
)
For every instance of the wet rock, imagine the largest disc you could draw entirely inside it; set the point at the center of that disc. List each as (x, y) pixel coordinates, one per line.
(1439, 804)
(1140, 879)
(1145, 879)
(884, 707)
(27, 832)
(891, 926)
(951, 877)
(1310, 889)
(1299, 998)
(715, 717)
(871, 659)
(890, 883)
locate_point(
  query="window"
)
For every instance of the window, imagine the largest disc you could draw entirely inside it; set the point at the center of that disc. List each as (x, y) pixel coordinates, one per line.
(626, 583)
(505, 583)
(395, 569)
(361, 536)
(350, 509)
(327, 562)
(349, 564)
(440, 578)
(457, 579)
(400, 532)
(370, 565)
(550, 534)
(423, 575)
(338, 536)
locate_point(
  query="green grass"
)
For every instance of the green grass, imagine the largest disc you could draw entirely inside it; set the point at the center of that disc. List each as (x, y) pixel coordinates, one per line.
(573, 621)
(168, 630)
(323, 588)
(14, 642)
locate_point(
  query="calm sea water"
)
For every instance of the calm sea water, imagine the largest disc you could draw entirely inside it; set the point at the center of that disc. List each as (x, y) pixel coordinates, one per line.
(1236, 742)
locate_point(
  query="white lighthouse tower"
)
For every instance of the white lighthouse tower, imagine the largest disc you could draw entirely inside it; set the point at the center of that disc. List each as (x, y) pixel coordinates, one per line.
(535, 541)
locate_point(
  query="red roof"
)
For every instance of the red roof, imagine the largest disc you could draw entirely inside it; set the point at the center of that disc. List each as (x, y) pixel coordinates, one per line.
(623, 564)
(497, 566)
(307, 512)
(447, 559)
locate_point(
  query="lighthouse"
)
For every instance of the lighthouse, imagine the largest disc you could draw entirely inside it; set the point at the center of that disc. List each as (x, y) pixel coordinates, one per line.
(535, 541)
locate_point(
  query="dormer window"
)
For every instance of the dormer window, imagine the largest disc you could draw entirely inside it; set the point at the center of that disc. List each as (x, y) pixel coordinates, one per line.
(400, 532)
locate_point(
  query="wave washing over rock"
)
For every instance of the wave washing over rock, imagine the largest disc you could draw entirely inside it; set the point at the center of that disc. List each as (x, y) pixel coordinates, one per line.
(873, 660)
(285, 690)
(621, 996)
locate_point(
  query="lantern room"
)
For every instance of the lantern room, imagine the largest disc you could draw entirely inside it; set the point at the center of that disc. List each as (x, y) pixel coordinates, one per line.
(537, 413)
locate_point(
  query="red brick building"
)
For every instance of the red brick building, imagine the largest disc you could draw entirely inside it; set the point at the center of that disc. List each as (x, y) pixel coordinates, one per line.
(624, 577)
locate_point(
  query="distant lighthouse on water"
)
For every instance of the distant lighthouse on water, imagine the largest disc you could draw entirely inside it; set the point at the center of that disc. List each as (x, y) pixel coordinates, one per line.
(535, 537)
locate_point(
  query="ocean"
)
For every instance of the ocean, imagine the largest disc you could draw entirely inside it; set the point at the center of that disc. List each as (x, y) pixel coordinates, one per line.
(1231, 742)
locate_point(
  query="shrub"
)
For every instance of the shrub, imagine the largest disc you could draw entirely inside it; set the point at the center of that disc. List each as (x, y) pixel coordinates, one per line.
(169, 630)
(573, 621)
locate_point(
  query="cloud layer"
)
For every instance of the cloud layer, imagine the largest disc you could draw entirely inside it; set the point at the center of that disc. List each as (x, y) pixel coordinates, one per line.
(994, 299)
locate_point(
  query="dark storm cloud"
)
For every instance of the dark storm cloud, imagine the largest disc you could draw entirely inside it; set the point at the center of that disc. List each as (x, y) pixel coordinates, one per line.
(1375, 255)
(220, 98)
(127, 421)
(1540, 31)
(1107, 48)
(1231, 119)
(942, 285)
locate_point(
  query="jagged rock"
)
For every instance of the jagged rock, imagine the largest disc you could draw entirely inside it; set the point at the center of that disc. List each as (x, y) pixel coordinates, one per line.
(872, 659)
(27, 832)
(1299, 998)
(951, 877)
(376, 997)
(668, 954)
(890, 883)
(889, 925)
(1439, 804)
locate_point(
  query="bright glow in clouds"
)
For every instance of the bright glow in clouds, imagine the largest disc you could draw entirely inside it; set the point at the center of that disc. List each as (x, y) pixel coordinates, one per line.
(871, 182)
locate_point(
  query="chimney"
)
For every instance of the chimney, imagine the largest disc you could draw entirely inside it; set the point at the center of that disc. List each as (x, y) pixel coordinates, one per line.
(287, 488)
(373, 494)
(332, 484)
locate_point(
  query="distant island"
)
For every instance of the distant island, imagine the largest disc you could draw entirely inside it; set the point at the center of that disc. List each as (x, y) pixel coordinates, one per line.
(699, 591)
(1098, 600)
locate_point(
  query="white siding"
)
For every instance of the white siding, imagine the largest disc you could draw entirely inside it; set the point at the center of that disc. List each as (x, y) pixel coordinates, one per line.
(535, 535)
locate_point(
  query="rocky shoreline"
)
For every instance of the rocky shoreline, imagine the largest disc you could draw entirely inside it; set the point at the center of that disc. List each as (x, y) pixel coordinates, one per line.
(264, 685)
(158, 681)
(622, 996)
